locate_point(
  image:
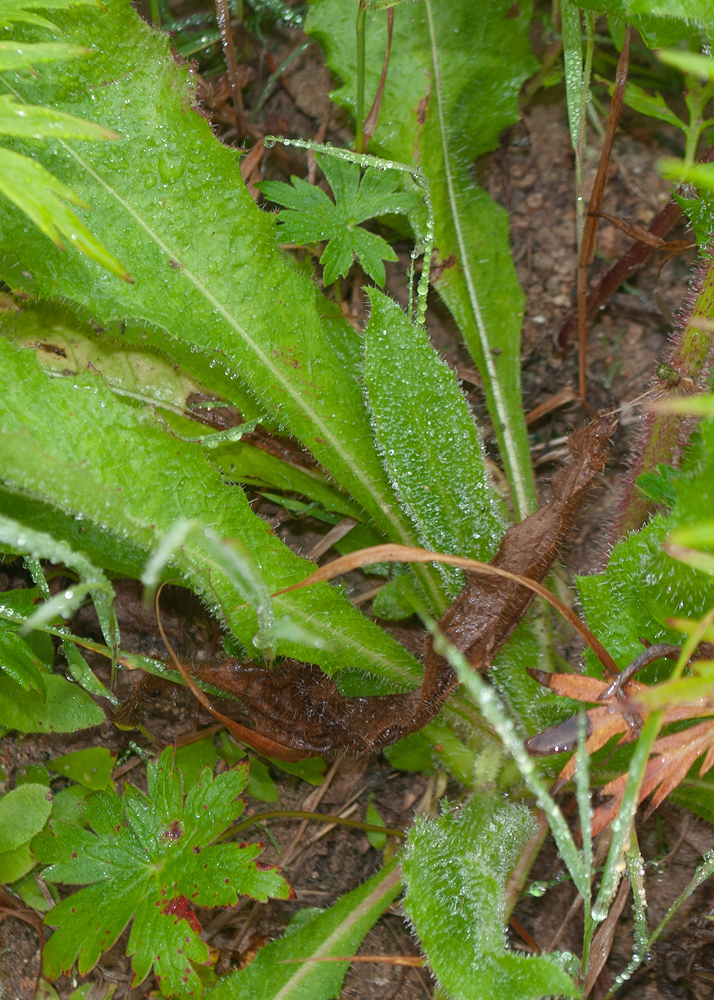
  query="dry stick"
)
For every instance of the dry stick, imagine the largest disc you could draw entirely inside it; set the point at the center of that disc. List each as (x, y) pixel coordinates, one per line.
(315, 817)
(229, 52)
(392, 552)
(370, 122)
(587, 244)
(312, 800)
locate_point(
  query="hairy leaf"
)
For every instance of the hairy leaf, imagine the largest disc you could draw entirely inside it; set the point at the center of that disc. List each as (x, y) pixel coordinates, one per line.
(104, 464)
(659, 22)
(456, 869)
(448, 95)
(143, 859)
(313, 934)
(428, 439)
(310, 216)
(218, 285)
(31, 122)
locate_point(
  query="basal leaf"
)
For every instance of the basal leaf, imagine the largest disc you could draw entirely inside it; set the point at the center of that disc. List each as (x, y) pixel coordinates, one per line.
(134, 480)
(91, 767)
(143, 858)
(65, 707)
(455, 869)
(429, 442)
(23, 813)
(448, 95)
(207, 272)
(313, 934)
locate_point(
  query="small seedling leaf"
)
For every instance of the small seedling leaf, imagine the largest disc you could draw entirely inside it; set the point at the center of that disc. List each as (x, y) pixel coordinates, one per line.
(91, 768)
(310, 216)
(23, 813)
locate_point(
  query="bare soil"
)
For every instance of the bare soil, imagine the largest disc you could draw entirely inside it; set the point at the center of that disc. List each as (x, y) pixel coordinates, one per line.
(531, 174)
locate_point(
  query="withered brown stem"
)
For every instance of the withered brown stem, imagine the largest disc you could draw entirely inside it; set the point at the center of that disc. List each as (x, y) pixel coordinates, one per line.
(587, 244)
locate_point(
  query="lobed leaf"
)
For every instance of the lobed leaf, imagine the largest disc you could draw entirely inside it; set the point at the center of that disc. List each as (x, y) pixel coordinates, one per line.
(145, 856)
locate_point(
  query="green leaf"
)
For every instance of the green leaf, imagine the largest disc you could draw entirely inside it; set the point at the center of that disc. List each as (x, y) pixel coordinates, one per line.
(313, 934)
(395, 601)
(103, 467)
(15, 864)
(67, 804)
(23, 813)
(28, 121)
(15, 56)
(700, 174)
(688, 62)
(428, 439)
(260, 785)
(374, 818)
(652, 105)
(572, 32)
(449, 94)
(191, 759)
(91, 768)
(143, 858)
(92, 580)
(196, 276)
(455, 869)
(19, 662)
(413, 753)
(659, 22)
(37, 193)
(311, 770)
(311, 217)
(64, 709)
(18, 11)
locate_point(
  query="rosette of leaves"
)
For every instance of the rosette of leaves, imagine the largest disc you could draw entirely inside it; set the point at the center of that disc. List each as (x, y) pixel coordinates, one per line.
(310, 216)
(149, 859)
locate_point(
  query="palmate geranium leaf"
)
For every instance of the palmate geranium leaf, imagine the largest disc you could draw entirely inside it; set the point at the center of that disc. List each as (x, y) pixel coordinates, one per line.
(149, 858)
(310, 216)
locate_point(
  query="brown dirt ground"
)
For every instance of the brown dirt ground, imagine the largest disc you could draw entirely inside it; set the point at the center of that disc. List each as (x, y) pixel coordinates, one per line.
(531, 174)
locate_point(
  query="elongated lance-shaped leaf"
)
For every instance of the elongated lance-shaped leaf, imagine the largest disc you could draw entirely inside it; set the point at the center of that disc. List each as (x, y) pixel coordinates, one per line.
(313, 934)
(14, 55)
(92, 456)
(429, 442)
(450, 91)
(456, 869)
(659, 22)
(171, 204)
(573, 60)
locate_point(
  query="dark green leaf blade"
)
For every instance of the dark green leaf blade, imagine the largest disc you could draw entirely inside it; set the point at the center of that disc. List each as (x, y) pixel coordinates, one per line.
(429, 441)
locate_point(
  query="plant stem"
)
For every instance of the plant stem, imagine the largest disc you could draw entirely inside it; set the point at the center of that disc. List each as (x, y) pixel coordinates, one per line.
(361, 32)
(316, 817)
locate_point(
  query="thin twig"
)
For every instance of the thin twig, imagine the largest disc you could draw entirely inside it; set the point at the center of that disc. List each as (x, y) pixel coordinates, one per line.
(229, 52)
(587, 244)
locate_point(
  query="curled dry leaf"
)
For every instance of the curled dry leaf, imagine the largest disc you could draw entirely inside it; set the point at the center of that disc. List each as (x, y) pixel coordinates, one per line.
(296, 711)
(671, 755)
